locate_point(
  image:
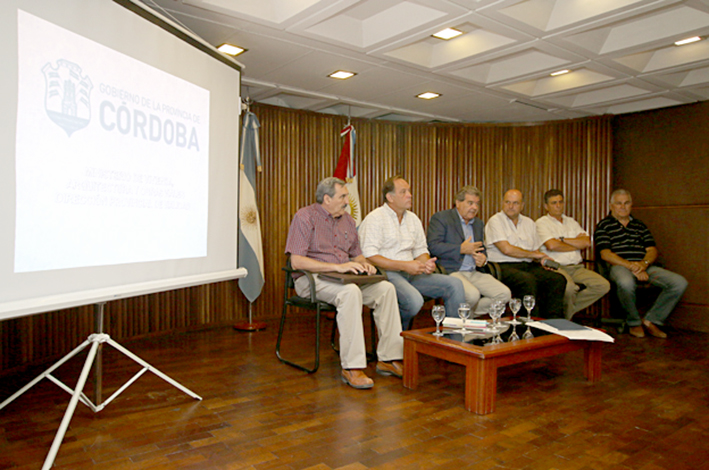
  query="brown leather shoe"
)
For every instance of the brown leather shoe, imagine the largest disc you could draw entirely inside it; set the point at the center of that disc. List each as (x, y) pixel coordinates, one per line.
(654, 330)
(637, 331)
(355, 378)
(395, 368)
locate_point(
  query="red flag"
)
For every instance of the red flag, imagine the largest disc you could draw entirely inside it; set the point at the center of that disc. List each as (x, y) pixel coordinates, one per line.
(347, 171)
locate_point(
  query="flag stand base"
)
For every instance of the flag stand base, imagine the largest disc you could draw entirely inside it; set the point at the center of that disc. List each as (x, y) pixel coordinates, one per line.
(250, 325)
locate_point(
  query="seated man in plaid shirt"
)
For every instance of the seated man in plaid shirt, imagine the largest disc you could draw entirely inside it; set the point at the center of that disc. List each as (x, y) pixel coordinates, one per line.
(323, 237)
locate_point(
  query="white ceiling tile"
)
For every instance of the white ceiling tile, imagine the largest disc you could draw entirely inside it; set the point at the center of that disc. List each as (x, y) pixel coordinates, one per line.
(668, 24)
(510, 67)
(348, 110)
(602, 95)
(373, 21)
(619, 52)
(642, 105)
(287, 100)
(548, 15)
(269, 11)
(666, 57)
(685, 78)
(544, 86)
(427, 53)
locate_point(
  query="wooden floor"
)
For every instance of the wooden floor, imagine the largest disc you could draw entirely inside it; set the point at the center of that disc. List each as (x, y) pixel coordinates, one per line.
(650, 411)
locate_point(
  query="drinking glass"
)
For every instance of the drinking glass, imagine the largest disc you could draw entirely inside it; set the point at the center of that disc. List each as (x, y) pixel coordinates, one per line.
(515, 305)
(529, 305)
(438, 312)
(495, 314)
(528, 333)
(464, 313)
(513, 336)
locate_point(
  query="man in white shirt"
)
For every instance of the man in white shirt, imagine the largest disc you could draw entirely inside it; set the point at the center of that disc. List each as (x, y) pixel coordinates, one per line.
(393, 239)
(563, 239)
(512, 242)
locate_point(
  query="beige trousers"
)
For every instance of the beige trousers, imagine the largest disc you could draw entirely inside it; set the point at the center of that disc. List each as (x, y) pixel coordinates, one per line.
(349, 299)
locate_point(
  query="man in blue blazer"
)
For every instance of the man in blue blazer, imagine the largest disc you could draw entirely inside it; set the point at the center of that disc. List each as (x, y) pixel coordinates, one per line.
(455, 237)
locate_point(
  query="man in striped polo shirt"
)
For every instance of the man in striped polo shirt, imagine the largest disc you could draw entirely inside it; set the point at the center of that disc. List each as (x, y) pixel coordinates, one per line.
(628, 246)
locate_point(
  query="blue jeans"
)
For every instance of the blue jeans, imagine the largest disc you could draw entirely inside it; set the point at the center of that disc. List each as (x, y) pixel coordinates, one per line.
(411, 289)
(673, 286)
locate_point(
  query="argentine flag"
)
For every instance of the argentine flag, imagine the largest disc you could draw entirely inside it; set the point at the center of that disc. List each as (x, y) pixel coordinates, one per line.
(250, 244)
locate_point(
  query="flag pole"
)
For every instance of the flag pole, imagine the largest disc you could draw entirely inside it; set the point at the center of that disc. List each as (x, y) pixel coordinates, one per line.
(250, 254)
(250, 325)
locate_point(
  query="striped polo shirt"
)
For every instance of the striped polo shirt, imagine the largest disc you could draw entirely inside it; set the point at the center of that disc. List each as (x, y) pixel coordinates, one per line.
(629, 242)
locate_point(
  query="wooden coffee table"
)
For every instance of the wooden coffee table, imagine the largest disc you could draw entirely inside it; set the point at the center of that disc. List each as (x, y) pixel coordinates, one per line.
(481, 362)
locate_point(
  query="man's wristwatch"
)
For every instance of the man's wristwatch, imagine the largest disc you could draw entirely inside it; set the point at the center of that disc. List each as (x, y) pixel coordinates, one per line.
(647, 263)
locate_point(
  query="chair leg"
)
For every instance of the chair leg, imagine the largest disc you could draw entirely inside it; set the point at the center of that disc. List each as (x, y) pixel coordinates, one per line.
(373, 355)
(317, 342)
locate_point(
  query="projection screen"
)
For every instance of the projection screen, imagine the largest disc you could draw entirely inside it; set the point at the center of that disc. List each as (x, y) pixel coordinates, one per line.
(119, 166)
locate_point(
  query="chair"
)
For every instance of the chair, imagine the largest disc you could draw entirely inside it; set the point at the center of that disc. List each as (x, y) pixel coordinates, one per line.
(291, 299)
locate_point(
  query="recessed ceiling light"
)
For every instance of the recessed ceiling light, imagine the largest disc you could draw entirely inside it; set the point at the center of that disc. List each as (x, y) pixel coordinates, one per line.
(446, 34)
(342, 74)
(429, 95)
(688, 41)
(230, 49)
(560, 72)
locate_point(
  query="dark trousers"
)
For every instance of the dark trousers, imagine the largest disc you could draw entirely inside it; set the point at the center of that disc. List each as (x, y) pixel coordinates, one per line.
(546, 286)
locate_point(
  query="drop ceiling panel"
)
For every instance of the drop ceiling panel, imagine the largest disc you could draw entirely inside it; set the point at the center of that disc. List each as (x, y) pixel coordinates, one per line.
(372, 83)
(311, 70)
(602, 95)
(288, 100)
(274, 12)
(369, 23)
(665, 57)
(518, 64)
(668, 25)
(549, 15)
(266, 54)
(543, 86)
(686, 78)
(639, 105)
(620, 53)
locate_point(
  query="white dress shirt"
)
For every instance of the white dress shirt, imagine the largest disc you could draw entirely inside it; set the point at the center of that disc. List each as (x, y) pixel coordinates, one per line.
(380, 233)
(548, 228)
(523, 235)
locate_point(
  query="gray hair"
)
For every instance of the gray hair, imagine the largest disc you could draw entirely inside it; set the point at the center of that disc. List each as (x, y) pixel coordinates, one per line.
(620, 192)
(327, 187)
(465, 190)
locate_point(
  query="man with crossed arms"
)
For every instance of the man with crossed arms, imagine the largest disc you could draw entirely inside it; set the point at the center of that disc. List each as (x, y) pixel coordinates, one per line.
(323, 237)
(563, 239)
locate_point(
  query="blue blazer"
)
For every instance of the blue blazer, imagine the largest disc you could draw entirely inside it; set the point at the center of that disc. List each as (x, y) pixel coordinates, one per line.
(445, 234)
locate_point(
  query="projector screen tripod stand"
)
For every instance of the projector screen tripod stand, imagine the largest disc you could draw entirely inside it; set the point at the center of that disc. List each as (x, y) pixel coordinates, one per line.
(96, 342)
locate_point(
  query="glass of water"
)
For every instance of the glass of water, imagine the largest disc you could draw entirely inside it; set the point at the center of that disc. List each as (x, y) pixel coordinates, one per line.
(529, 305)
(438, 312)
(464, 314)
(515, 305)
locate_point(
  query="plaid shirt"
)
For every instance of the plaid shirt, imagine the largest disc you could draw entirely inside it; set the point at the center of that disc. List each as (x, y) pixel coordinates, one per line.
(316, 234)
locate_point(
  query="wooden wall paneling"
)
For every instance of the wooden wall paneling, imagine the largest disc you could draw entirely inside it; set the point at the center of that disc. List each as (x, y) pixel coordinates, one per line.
(298, 149)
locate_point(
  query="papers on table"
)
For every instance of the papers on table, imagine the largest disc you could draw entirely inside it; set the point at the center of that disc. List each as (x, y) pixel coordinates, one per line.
(451, 322)
(571, 330)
